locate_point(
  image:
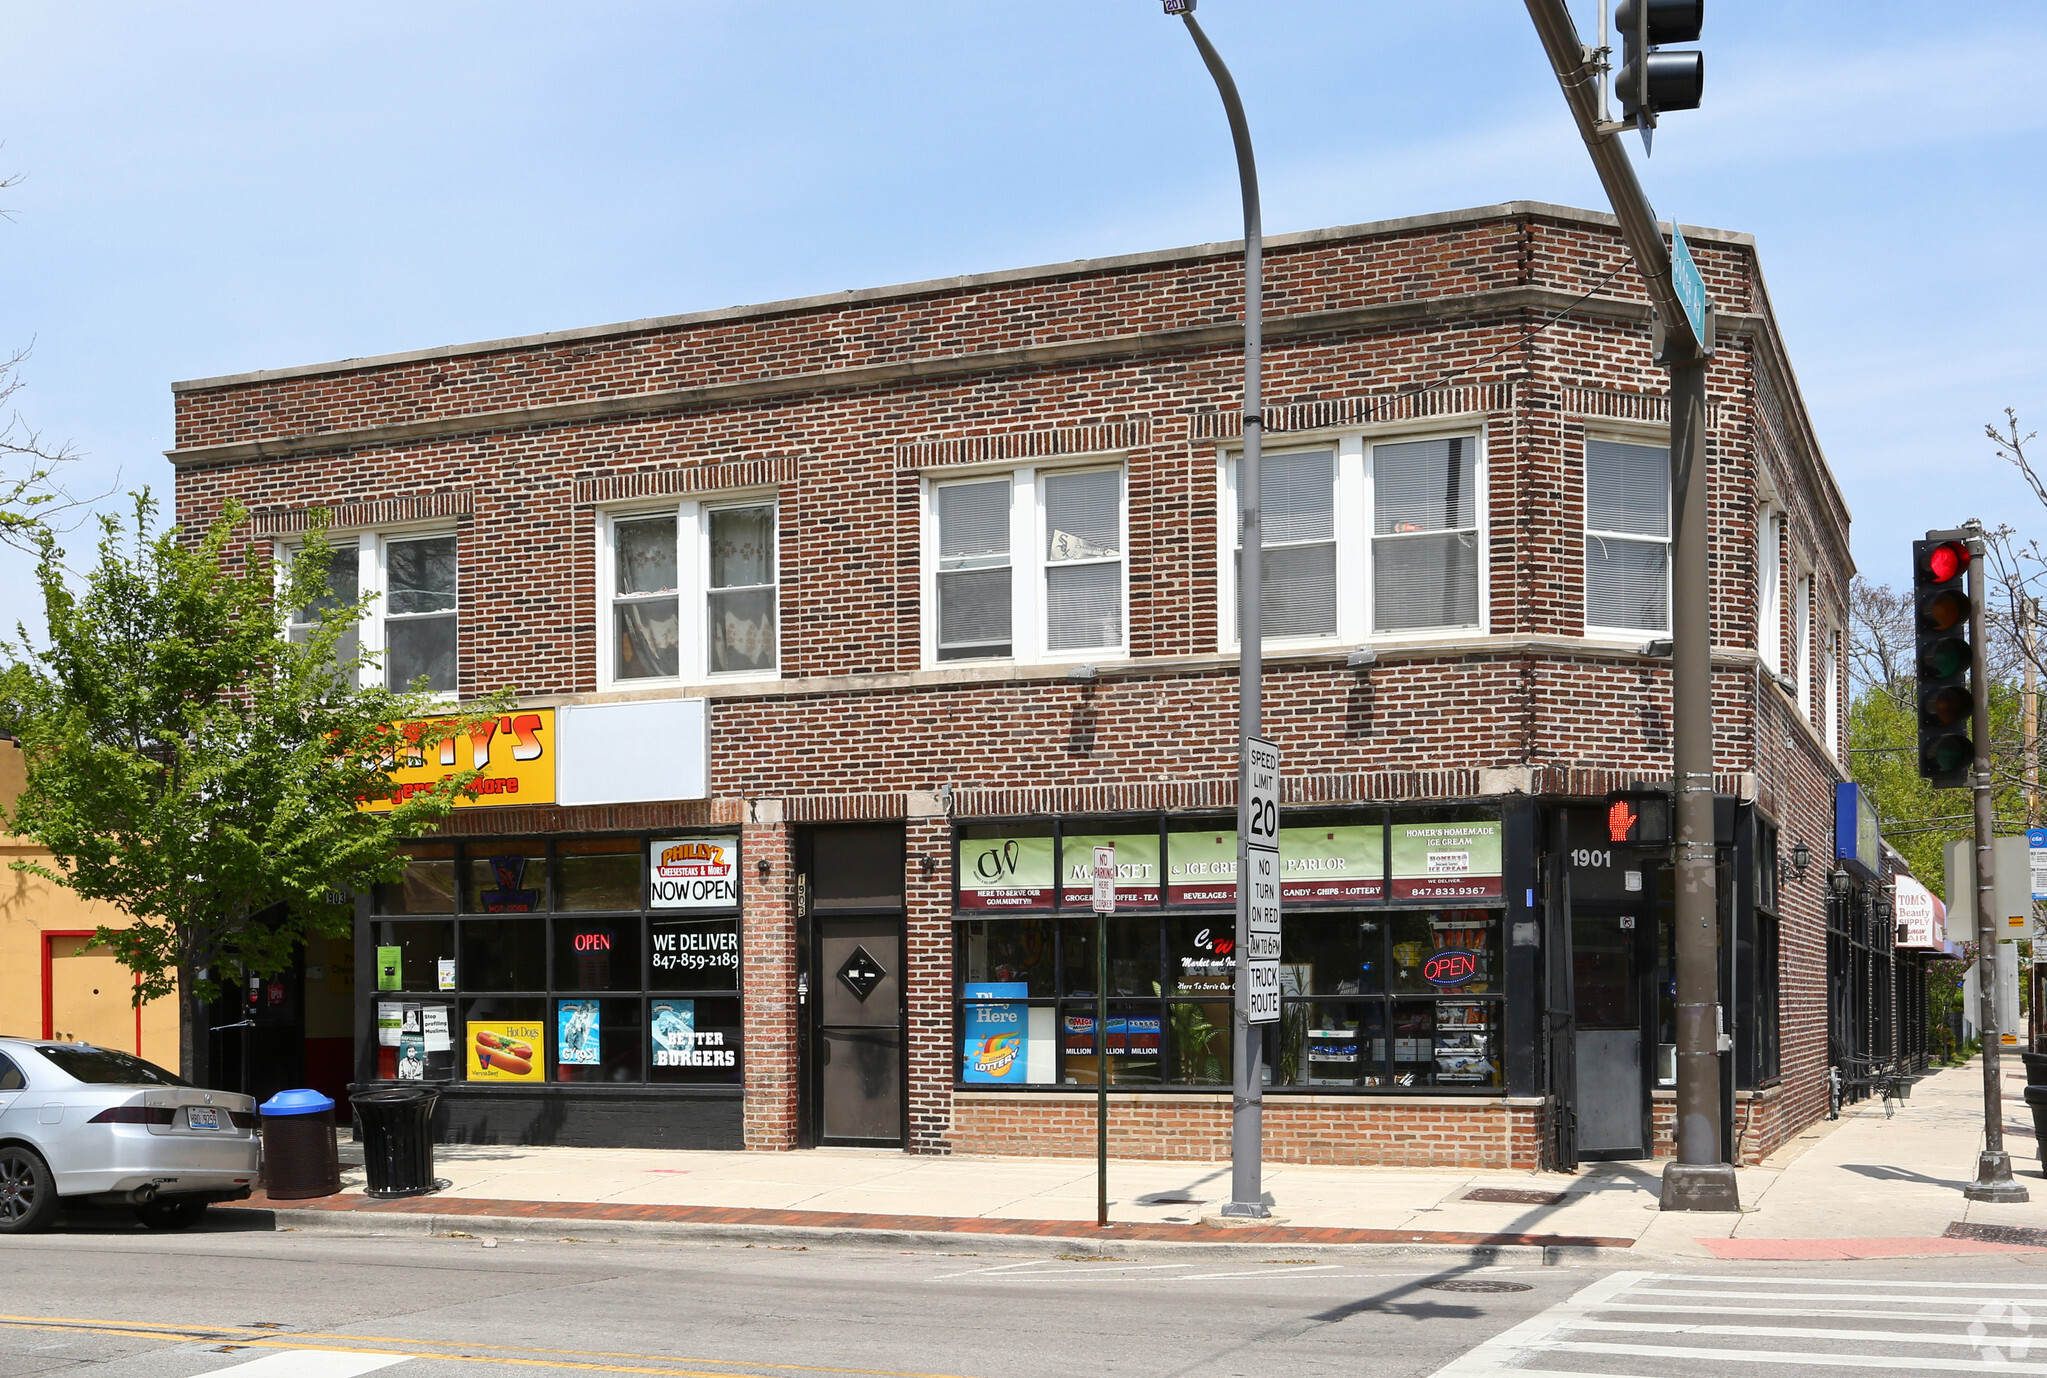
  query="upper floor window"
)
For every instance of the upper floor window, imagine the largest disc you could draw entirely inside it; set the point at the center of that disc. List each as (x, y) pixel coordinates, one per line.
(693, 591)
(411, 628)
(1627, 536)
(1770, 588)
(1801, 643)
(1362, 539)
(1027, 565)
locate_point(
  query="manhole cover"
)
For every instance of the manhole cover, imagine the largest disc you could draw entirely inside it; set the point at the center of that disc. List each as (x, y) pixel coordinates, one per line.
(1515, 1197)
(862, 972)
(1477, 1285)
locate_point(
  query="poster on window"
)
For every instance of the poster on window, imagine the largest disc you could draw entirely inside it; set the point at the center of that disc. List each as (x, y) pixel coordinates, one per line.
(994, 1051)
(680, 1044)
(1005, 873)
(695, 872)
(1446, 861)
(577, 1034)
(506, 1050)
(693, 954)
(1138, 878)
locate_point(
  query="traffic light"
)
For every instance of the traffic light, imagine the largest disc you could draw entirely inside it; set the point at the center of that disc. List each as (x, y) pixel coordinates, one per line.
(1947, 699)
(1638, 817)
(1649, 81)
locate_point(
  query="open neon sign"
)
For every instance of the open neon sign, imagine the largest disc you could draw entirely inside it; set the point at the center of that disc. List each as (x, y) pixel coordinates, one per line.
(1451, 967)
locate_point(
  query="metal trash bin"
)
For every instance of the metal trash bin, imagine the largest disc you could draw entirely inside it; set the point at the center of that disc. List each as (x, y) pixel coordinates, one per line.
(2036, 1101)
(299, 1157)
(398, 1141)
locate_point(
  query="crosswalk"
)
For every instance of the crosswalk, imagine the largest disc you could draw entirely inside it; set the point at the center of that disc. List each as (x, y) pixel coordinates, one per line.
(1681, 1325)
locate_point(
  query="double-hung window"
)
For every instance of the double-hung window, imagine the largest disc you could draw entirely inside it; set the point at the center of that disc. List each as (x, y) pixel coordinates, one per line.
(1027, 565)
(1769, 589)
(412, 627)
(1361, 538)
(1627, 537)
(344, 577)
(693, 592)
(1425, 540)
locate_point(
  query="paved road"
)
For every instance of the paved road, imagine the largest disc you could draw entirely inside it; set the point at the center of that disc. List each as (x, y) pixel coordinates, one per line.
(104, 1301)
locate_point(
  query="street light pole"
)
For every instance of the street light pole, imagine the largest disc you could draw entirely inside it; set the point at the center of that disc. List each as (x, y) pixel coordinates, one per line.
(1247, 1116)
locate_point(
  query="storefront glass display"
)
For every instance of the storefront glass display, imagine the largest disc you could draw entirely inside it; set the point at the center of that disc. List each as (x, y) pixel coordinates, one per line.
(1380, 995)
(556, 969)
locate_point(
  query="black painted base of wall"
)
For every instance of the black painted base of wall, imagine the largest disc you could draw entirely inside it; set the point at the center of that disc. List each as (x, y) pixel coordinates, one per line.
(556, 1117)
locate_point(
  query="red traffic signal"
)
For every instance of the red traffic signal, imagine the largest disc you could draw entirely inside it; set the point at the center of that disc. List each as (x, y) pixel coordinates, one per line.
(1943, 616)
(1638, 817)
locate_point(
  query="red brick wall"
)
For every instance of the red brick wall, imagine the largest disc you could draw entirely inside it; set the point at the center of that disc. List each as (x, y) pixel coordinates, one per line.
(768, 950)
(1327, 1130)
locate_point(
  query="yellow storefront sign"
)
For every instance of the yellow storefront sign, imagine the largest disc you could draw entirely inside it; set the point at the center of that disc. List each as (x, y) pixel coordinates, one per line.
(515, 752)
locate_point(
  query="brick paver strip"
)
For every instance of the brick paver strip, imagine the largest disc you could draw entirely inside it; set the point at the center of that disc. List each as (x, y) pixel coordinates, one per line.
(1813, 1250)
(926, 1224)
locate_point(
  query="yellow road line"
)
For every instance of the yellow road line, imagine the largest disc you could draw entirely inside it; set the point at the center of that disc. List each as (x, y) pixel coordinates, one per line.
(271, 1339)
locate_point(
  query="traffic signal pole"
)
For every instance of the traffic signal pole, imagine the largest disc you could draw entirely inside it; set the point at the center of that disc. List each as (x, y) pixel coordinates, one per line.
(1993, 1166)
(1698, 1179)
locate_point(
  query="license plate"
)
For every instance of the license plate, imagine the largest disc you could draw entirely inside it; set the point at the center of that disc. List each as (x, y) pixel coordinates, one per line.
(197, 1118)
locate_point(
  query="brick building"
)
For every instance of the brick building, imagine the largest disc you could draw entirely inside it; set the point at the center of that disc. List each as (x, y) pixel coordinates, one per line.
(843, 626)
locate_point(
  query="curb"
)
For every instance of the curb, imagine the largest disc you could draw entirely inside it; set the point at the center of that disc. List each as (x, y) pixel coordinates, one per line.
(422, 1224)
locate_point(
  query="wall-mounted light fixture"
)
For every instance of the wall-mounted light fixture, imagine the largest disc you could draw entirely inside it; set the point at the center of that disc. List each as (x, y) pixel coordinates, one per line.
(1840, 881)
(763, 867)
(930, 865)
(1364, 657)
(1801, 857)
(1084, 674)
(1662, 648)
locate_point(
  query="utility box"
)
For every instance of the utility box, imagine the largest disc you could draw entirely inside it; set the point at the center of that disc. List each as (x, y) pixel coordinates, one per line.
(2012, 861)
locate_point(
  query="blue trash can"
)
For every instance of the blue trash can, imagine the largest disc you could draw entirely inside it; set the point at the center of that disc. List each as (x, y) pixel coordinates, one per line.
(299, 1156)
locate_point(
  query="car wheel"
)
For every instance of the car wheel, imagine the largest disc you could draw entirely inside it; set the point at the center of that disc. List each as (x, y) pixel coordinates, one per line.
(169, 1213)
(28, 1194)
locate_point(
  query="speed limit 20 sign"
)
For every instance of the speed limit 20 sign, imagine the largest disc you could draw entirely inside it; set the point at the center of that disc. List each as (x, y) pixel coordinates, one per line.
(1260, 883)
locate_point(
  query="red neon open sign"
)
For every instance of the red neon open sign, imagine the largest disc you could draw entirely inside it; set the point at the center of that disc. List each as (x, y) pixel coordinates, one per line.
(1452, 967)
(599, 941)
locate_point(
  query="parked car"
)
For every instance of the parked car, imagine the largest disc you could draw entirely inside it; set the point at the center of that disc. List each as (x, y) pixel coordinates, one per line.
(87, 1126)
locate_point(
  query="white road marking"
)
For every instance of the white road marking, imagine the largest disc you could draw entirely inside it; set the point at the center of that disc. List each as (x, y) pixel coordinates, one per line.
(1259, 1273)
(1841, 1282)
(1795, 1332)
(1505, 1351)
(1838, 1313)
(311, 1363)
(1837, 1296)
(1917, 1362)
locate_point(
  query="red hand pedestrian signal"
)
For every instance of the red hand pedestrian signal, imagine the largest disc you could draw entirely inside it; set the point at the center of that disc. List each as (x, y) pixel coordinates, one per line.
(1620, 821)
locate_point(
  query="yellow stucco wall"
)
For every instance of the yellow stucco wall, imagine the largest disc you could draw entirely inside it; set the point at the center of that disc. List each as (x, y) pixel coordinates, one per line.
(95, 994)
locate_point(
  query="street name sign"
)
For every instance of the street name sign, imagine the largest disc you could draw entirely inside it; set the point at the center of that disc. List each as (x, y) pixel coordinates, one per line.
(1685, 280)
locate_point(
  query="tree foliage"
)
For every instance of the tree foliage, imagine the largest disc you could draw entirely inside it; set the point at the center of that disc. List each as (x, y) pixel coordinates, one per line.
(194, 766)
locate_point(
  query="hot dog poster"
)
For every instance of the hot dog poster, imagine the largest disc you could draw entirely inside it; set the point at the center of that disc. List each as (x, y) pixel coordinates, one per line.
(507, 1051)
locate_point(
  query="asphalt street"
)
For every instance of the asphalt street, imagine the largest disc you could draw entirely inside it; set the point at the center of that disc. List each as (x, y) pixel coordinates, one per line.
(100, 1298)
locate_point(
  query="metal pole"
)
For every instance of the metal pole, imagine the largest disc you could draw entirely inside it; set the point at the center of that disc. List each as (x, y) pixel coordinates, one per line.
(1993, 1166)
(1698, 1180)
(1247, 1116)
(1102, 1069)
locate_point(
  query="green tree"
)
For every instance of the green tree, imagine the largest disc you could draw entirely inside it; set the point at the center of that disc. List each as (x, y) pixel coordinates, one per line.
(195, 767)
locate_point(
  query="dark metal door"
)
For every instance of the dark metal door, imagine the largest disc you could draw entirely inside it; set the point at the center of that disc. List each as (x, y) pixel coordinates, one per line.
(1610, 1012)
(1560, 1033)
(859, 1049)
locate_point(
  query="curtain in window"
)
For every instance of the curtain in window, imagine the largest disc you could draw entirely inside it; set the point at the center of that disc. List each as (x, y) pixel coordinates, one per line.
(973, 569)
(646, 617)
(742, 589)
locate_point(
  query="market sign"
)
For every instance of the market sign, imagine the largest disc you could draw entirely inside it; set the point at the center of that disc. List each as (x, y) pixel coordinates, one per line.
(1137, 869)
(1446, 861)
(515, 753)
(1005, 873)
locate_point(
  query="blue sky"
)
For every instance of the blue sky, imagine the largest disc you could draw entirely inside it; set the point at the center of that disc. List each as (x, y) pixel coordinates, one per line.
(209, 187)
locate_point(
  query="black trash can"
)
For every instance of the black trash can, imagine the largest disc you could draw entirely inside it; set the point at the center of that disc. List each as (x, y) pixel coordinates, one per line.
(398, 1141)
(2036, 1101)
(299, 1157)
(2036, 1068)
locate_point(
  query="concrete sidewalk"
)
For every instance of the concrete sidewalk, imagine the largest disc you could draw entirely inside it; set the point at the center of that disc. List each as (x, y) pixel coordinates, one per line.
(1894, 1184)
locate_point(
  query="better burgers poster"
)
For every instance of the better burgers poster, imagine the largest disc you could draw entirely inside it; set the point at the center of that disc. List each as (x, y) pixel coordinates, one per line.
(694, 873)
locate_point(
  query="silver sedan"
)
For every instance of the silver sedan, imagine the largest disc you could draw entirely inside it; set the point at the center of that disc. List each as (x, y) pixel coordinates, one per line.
(88, 1126)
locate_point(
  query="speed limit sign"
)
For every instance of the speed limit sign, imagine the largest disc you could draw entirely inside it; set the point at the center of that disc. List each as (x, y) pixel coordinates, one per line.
(1261, 788)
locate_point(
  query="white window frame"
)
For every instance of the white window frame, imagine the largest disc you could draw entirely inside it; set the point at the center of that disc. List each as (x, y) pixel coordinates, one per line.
(1596, 631)
(372, 570)
(1354, 536)
(1027, 562)
(1831, 677)
(1770, 593)
(1803, 656)
(692, 590)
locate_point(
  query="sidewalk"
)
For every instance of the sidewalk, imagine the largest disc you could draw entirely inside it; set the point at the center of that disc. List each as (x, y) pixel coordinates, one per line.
(1862, 1186)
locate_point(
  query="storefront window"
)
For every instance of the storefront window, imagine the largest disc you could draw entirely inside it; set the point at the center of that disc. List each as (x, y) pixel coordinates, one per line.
(617, 985)
(427, 884)
(506, 878)
(409, 953)
(597, 954)
(599, 875)
(1382, 986)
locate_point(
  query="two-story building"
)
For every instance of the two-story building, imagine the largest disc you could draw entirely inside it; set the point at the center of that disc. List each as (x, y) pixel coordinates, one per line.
(843, 628)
